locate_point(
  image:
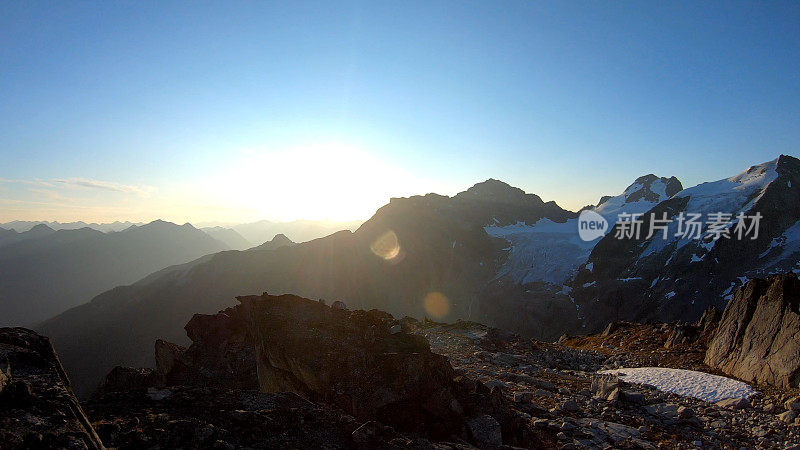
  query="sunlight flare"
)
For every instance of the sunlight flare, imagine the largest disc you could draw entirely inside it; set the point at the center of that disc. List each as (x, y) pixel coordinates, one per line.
(386, 246)
(437, 305)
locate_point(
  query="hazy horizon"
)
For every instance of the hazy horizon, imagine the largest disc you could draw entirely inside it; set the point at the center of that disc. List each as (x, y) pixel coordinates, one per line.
(195, 224)
(223, 223)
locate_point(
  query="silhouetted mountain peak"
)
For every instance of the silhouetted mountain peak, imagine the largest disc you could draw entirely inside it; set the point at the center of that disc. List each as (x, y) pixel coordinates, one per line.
(498, 191)
(156, 225)
(281, 238)
(40, 228)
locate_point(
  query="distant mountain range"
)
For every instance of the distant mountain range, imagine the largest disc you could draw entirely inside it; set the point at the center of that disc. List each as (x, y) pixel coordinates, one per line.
(25, 225)
(229, 237)
(247, 235)
(492, 253)
(45, 271)
(236, 236)
(262, 231)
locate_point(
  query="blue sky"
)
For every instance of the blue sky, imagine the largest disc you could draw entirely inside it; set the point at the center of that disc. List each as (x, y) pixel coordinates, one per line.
(245, 110)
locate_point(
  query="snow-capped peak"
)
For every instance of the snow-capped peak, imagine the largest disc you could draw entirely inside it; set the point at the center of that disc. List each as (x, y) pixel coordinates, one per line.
(652, 188)
(731, 195)
(646, 192)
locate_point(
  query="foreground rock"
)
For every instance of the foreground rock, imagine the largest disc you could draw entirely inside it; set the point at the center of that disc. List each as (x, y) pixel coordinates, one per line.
(365, 363)
(37, 406)
(473, 386)
(757, 338)
(353, 360)
(218, 418)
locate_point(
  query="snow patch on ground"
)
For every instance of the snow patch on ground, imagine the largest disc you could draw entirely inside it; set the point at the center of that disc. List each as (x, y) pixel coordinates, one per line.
(687, 383)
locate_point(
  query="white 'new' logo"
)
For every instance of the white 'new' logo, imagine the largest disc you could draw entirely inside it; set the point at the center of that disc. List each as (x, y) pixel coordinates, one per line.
(591, 225)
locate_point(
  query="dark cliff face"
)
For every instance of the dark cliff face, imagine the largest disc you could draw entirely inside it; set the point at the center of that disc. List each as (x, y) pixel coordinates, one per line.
(37, 406)
(643, 279)
(756, 339)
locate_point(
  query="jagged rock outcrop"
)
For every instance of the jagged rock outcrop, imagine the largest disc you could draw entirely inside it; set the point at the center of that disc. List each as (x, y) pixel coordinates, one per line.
(221, 353)
(365, 363)
(360, 361)
(682, 334)
(757, 338)
(37, 406)
(709, 320)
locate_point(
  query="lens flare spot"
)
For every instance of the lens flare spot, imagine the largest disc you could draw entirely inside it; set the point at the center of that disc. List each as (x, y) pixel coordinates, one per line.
(437, 304)
(386, 246)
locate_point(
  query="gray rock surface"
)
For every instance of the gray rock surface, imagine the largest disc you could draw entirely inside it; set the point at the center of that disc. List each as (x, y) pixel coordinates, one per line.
(37, 406)
(757, 337)
(486, 431)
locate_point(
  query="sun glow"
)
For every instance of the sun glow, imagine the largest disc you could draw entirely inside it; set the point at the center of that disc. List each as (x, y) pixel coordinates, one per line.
(331, 181)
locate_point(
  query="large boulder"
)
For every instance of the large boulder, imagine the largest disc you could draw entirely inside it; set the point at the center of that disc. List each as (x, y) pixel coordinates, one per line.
(37, 406)
(353, 360)
(757, 337)
(221, 353)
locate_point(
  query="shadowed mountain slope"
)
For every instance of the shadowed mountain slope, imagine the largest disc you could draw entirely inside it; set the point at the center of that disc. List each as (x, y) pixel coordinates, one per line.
(45, 272)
